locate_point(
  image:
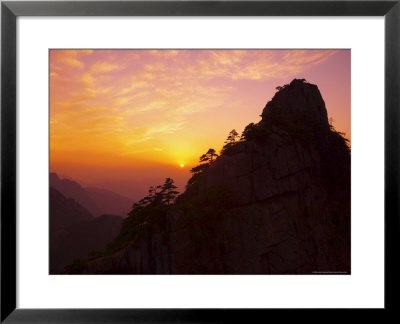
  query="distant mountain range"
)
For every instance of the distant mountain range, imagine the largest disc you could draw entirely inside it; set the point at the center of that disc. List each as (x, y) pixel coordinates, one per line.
(95, 200)
(82, 220)
(74, 232)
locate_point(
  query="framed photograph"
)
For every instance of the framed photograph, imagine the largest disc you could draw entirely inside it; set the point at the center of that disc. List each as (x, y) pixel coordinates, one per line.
(195, 161)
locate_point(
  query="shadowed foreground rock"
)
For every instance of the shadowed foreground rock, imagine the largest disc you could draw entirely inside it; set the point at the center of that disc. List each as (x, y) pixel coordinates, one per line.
(290, 213)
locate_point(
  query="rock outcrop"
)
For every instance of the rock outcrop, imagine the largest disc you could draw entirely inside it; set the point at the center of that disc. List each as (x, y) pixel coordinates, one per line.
(298, 97)
(288, 210)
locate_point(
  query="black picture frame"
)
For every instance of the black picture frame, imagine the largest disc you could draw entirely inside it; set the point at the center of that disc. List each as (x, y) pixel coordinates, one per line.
(10, 10)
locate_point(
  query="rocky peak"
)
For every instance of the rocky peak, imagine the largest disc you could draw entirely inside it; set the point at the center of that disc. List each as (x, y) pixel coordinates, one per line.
(278, 202)
(297, 98)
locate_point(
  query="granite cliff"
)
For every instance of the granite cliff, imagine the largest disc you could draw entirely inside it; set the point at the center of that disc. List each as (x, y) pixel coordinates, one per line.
(275, 202)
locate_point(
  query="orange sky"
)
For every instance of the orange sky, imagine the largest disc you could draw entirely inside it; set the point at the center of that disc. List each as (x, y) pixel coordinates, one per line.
(126, 119)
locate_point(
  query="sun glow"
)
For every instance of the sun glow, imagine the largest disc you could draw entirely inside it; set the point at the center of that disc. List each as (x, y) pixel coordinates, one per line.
(118, 115)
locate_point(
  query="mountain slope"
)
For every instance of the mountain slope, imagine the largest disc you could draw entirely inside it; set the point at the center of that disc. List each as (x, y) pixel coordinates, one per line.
(72, 189)
(96, 200)
(65, 211)
(109, 202)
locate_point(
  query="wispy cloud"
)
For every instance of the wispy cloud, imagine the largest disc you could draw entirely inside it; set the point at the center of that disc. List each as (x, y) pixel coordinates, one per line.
(104, 67)
(129, 101)
(68, 57)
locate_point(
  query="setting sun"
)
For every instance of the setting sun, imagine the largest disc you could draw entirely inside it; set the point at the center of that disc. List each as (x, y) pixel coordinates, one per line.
(182, 165)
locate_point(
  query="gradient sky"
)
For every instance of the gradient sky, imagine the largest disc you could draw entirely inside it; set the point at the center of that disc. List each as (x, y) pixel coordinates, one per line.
(125, 120)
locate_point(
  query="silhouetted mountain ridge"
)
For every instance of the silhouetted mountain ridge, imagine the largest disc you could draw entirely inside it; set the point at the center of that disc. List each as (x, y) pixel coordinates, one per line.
(65, 211)
(96, 200)
(72, 189)
(276, 202)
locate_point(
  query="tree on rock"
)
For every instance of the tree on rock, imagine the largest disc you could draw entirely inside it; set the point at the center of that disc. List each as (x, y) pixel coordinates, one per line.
(205, 161)
(209, 157)
(248, 131)
(168, 191)
(150, 212)
(159, 195)
(232, 138)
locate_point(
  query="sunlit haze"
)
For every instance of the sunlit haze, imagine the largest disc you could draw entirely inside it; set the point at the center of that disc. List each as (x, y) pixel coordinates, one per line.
(125, 120)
